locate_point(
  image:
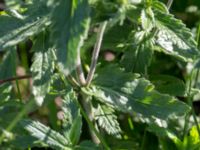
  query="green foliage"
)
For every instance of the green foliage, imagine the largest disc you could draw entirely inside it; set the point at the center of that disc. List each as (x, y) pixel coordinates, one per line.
(136, 94)
(129, 94)
(45, 134)
(42, 67)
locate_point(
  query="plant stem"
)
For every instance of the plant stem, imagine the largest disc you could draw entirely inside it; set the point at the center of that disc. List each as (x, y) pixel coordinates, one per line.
(95, 53)
(92, 128)
(14, 79)
(87, 119)
(169, 4)
(88, 109)
(79, 70)
(190, 98)
(144, 139)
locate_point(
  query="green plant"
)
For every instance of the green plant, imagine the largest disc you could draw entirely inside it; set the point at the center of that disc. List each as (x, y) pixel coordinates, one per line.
(66, 36)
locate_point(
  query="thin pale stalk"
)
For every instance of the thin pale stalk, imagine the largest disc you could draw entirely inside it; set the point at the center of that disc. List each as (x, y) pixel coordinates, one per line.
(79, 70)
(169, 4)
(95, 53)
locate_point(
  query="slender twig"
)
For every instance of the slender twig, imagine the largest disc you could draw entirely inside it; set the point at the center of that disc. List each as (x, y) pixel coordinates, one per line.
(79, 70)
(95, 53)
(14, 79)
(169, 4)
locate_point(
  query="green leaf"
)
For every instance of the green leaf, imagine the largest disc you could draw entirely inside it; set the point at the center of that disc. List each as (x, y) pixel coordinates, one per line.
(22, 142)
(129, 94)
(160, 6)
(169, 85)
(107, 120)
(14, 4)
(138, 58)
(19, 27)
(45, 134)
(174, 38)
(164, 132)
(5, 92)
(42, 67)
(87, 145)
(147, 19)
(115, 38)
(70, 23)
(72, 122)
(7, 66)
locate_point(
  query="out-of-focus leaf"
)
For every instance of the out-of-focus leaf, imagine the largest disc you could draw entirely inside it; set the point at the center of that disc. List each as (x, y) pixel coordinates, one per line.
(87, 145)
(7, 65)
(46, 135)
(42, 67)
(70, 23)
(22, 142)
(14, 29)
(129, 94)
(5, 92)
(72, 122)
(169, 85)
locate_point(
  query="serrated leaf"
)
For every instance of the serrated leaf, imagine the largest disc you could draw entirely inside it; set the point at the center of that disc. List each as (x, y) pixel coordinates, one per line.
(46, 135)
(174, 38)
(70, 23)
(14, 30)
(160, 6)
(129, 94)
(107, 120)
(72, 122)
(42, 67)
(137, 59)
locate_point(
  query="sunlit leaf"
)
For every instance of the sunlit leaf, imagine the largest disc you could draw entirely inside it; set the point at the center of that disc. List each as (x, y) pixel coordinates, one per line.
(129, 94)
(46, 135)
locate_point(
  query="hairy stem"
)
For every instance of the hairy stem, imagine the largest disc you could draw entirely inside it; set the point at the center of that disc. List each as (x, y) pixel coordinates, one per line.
(14, 79)
(95, 53)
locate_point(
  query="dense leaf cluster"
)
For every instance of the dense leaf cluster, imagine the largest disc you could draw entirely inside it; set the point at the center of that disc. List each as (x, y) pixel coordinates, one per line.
(64, 38)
